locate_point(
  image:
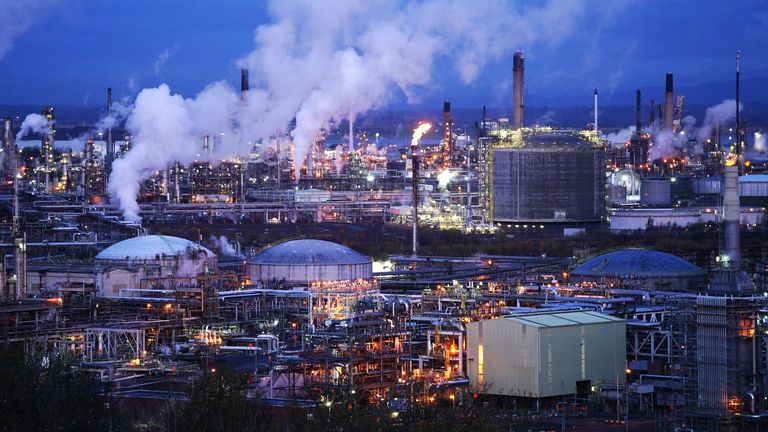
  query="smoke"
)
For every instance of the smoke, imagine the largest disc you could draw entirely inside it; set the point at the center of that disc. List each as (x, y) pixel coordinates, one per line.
(120, 111)
(391, 50)
(222, 243)
(444, 178)
(618, 139)
(716, 117)
(17, 16)
(759, 145)
(33, 123)
(320, 65)
(338, 160)
(163, 57)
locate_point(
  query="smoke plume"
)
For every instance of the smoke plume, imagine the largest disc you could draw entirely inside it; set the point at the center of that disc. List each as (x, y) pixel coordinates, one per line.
(319, 65)
(759, 145)
(716, 117)
(222, 244)
(33, 123)
(618, 139)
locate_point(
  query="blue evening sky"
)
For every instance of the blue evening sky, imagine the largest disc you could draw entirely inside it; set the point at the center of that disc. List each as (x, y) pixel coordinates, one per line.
(76, 48)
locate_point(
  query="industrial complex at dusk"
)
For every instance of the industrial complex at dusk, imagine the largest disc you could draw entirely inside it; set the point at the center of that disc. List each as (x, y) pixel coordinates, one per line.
(293, 253)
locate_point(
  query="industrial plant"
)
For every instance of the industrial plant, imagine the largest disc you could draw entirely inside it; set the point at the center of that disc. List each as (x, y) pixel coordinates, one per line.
(245, 260)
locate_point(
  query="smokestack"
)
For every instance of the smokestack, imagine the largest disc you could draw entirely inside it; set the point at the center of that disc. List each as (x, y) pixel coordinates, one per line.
(19, 238)
(668, 109)
(597, 132)
(739, 138)
(652, 113)
(415, 195)
(351, 133)
(110, 157)
(448, 143)
(638, 114)
(9, 149)
(731, 205)
(244, 86)
(518, 69)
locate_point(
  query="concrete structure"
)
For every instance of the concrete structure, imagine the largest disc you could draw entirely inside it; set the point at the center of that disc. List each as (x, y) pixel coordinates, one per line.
(544, 355)
(649, 269)
(307, 261)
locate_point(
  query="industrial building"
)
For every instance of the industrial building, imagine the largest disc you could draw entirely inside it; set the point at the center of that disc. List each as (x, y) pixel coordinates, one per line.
(548, 177)
(542, 355)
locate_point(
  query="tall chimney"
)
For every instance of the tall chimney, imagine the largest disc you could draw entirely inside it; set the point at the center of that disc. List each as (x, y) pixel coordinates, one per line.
(739, 138)
(244, 86)
(597, 131)
(731, 205)
(518, 69)
(110, 144)
(9, 149)
(652, 113)
(415, 195)
(668, 109)
(638, 114)
(448, 143)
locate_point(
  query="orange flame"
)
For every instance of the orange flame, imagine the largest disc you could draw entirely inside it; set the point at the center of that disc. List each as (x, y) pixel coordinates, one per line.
(731, 159)
(419, 132)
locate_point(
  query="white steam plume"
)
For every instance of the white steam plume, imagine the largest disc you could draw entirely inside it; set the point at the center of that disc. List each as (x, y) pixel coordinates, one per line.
(716, 117)
(318, 65)
(618, 139)
(33, 123)
(222, 243)
(759, 145)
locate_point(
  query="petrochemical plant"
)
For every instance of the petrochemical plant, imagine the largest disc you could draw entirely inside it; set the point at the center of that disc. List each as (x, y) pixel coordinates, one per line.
(632, 332)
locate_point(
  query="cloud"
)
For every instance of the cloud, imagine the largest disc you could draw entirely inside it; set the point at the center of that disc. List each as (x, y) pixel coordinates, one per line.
(16, 17)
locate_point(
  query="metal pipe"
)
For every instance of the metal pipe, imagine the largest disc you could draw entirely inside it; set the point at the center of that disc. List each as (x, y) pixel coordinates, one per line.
(415, 195)
(518, 72)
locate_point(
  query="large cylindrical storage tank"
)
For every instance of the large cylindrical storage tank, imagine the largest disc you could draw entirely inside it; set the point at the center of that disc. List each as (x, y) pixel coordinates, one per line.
(549, 177)
(655, 192)
(301, 262)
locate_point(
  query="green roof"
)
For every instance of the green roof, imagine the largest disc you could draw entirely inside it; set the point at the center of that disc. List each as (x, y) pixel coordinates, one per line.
(563, 319)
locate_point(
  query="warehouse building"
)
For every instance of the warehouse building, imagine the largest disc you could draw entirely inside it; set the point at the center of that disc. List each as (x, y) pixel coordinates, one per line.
(545, 355)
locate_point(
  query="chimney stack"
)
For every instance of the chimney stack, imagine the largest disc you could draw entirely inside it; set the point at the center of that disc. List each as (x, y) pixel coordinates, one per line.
(244, 85)
(110, 143)
(739, 137)
(668, 109)
(448, 143)
(638, 114)
(518, 69)
(731, 206)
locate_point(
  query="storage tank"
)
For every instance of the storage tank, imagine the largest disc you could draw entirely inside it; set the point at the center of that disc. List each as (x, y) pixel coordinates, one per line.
(655, 192)
(306, 261)
(549, 177)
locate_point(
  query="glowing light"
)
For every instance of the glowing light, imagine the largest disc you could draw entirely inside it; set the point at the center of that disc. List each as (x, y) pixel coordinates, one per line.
(731, 159)
(419, 132)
